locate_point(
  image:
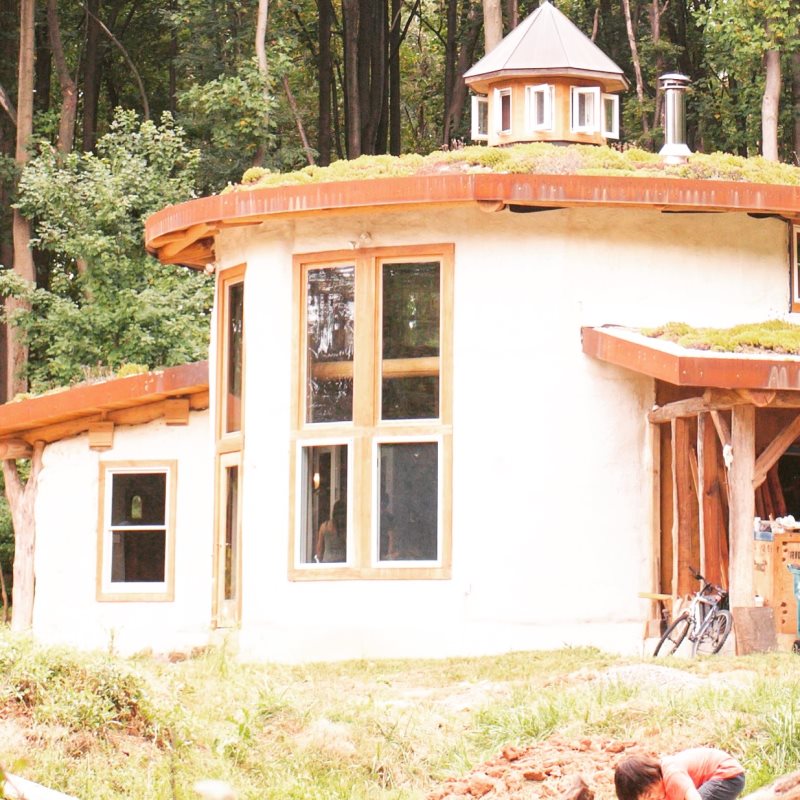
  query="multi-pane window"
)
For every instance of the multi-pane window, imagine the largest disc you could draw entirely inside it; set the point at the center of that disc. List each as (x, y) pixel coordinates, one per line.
(135, 554)
(539, 107)
(373, 419)
(585, 108)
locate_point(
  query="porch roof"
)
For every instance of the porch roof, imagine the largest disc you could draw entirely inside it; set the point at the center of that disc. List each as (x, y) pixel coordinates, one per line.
(677, 365)
(129, 400)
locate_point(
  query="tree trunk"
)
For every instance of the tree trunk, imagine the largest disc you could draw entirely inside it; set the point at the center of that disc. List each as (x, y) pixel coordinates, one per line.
(469, 43)
(769, 105)
(796, 98)
(450, 51)
(637, 65)
(395, 111)
(492, 24)
(512, 13)
(352, 101)
(656, 12)
(372, 47)
(21, 500)
(21, 230)
(91, 75)
(69, 94)
(324, 76)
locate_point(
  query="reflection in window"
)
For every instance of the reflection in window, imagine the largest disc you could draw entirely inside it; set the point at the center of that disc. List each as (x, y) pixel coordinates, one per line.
(138, 527)
(324, 517)
(410, 373)
(231, 532)
(330, 327)
(409, 492)
(235, 327)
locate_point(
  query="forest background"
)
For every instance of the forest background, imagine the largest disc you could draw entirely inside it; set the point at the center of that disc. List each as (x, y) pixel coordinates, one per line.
(112, 109)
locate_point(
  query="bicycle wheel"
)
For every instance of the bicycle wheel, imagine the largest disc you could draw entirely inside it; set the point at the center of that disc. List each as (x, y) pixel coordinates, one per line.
(713, 634)
(673, 636)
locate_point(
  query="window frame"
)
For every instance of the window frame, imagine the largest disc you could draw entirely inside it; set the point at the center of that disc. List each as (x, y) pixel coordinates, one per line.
(476, 134)
(229, 440)
(548, 90)
(163, 591)
(613, 131)
(794, 264)
(366, 430)
(499, 94)
(575, 93)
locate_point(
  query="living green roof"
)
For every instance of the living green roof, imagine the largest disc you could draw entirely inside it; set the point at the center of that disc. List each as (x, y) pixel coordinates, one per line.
(537, 158)
(774, 336)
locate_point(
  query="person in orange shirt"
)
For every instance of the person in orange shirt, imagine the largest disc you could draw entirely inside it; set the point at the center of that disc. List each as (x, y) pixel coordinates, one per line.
(701, 773)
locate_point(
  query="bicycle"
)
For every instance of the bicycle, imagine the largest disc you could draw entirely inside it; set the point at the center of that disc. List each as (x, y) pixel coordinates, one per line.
(706, 621)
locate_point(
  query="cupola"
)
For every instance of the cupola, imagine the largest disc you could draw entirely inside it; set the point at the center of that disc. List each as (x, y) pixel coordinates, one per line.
(545, 82)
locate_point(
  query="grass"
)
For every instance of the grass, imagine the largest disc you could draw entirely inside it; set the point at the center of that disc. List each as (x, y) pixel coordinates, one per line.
(538, 158)
(101, 727)
(777, 336)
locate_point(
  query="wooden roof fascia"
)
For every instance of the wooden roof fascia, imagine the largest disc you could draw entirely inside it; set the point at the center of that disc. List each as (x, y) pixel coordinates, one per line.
(177, 225)
(761, 373)
(106, 400)
(610, 81)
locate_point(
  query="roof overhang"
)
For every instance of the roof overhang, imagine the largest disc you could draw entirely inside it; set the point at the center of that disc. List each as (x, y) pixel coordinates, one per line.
(679, 366)
(184, 234)
(137, 398)
(610, 81)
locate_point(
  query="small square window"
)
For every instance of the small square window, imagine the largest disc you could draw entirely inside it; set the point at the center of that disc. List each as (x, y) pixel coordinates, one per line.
(502, 110)
(136, 542)
(585, 109)
(610, 104)
(480, 118)
(539, 107)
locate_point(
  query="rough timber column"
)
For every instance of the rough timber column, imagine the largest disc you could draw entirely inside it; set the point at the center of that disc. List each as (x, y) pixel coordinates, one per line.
(742, 510)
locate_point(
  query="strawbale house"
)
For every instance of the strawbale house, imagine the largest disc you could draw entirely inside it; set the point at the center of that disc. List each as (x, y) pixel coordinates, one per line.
(433, 426)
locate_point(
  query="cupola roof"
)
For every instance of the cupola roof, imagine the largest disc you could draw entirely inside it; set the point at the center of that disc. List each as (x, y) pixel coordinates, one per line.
(546, 43)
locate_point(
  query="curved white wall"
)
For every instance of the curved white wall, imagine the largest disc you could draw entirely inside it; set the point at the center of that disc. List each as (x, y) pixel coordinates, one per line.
(552, 497)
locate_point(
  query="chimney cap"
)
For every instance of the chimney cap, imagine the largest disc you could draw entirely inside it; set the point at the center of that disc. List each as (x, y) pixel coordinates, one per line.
(674, 80)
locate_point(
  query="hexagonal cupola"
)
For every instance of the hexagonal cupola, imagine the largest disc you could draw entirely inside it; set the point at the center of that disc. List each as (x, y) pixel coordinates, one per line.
(545, 82)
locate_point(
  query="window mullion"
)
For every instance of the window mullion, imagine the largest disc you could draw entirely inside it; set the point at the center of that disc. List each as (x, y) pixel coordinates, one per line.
(366, 336)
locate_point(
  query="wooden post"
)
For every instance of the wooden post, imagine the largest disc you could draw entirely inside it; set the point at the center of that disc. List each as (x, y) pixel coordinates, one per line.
(742, 508)
(711, 520)
(685, 508)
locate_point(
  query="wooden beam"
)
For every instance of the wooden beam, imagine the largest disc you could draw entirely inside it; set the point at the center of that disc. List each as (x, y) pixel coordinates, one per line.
(190, 236)
(680, 408)
(15, 448)
(742, 509)
(685, 510)
(712, 525)
(723, 430)
(176, 411)
(774, 450)
(761, 398)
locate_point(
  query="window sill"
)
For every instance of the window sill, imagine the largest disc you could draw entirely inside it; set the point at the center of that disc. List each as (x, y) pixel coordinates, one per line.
(370, 573)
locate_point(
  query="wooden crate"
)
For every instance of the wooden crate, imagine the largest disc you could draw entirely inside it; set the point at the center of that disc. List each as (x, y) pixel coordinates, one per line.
(786, 551)
(763, 570)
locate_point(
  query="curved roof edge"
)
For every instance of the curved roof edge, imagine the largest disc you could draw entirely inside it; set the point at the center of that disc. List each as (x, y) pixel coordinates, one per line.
(184, 234)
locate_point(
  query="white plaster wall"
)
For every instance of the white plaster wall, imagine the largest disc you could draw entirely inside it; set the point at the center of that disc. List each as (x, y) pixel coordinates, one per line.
(552, 486)
(66, 610)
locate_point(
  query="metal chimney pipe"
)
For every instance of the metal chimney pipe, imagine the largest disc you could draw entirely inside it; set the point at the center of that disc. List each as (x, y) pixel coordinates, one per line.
(675, 149)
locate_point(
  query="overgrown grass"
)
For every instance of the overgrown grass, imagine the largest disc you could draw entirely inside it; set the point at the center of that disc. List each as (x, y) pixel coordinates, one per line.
(99, 727)
(538, 158)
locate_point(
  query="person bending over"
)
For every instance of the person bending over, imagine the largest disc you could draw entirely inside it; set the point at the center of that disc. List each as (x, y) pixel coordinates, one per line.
(701, 773)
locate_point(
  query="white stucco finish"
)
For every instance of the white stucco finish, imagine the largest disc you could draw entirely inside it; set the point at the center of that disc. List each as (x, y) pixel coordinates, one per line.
(552, 488)
(66, 609)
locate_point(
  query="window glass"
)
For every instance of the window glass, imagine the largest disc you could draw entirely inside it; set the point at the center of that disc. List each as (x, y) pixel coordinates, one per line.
(611, 116)
(138, 527)
(505, 111)
(483, 117)
(231, 532)
(409, 492)
(324, 491)
(330, 306)
(410, 341)
(233, 400)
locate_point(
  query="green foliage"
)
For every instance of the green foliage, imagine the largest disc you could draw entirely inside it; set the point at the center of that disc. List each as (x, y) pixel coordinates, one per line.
(108, 303)
(777, 336)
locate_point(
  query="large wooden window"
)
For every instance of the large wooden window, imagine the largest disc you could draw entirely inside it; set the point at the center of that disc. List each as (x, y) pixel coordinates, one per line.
(136, 541)
(372, 431)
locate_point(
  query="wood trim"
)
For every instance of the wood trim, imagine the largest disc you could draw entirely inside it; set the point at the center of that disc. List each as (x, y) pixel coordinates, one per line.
(366, 427)
(227, 618)
(225, 280)
(170, 466)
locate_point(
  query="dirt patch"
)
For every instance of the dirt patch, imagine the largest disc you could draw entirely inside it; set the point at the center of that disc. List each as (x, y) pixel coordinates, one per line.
(550, 769)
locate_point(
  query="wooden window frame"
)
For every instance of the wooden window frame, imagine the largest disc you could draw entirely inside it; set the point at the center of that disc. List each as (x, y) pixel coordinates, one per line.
(165, 591)
(611, 132)
(367, 429)
(476, 134)
(547, 90)
(574, 93)
(227, 441)
(794, 264)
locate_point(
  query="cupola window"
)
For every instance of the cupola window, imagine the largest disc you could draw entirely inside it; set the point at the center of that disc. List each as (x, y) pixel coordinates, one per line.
(539, 107)
(611, 116)
(585, 108)
(502, 110)
(480, 117)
